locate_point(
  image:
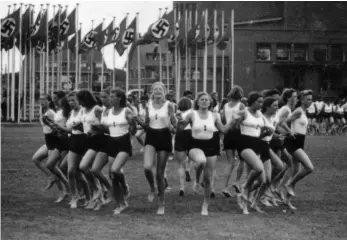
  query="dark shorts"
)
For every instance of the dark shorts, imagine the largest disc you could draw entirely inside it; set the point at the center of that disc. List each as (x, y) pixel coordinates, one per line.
(293, 144)
(182, 140)
(209, 146)
(103, 146)
(116, 145)
(265, 151)
(231, 140)
(62, 143)
(78, 143)
(95, 142)
(276, 144)
(327, 115)
(50, 140)
(248, 142)
(160, 139)
(311, 115)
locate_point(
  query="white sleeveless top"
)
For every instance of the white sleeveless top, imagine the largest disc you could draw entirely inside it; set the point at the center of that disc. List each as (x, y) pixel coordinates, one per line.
(142, 112)
(328, 108)
(283, 109)
(59, 118)
(184, 116)
(311, 109)
(104, 116)
(231, 112)
(339, 109)
(300, 125)
(270, 123)
(88, 119)
(73, 120)
(118, 124)
(51, 114)
(251, 125)
(159, 118)
(203, 128)
(320, 105)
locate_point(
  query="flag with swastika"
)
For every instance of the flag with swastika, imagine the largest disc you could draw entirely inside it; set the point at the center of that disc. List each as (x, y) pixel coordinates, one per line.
(127, 37)
(10, 25)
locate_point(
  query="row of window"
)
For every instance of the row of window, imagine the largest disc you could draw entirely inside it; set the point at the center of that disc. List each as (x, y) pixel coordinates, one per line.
(64, 64)
(300, 52)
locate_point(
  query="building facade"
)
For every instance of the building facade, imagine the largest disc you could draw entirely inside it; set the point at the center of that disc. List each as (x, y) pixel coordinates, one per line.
(286, 44)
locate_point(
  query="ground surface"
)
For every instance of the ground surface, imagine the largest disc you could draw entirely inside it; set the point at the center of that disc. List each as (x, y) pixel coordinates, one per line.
(29, 213)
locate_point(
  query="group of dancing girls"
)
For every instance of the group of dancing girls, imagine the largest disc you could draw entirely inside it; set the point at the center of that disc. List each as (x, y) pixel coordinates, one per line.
(84, 133)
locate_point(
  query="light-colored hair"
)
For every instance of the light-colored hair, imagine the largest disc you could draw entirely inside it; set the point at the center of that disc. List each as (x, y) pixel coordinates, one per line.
(198, 96)
(160, 84)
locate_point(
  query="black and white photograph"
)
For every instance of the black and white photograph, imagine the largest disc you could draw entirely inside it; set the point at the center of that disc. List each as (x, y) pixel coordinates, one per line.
(173, 120)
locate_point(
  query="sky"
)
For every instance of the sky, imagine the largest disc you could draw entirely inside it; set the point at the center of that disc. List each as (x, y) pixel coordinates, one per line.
(97, 10)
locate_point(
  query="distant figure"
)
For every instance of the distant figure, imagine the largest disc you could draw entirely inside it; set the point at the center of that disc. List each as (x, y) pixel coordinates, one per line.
(3, 109)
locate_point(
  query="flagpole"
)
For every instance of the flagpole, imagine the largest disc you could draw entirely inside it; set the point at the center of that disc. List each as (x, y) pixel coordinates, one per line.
(59, 54)
(52, 56)
(47, 51)
(25, 68)
(232, 47)
(176, 67)
(196, 57)
(102, 62)
(221, 31)
(77, 80)
(114, 57)
(186, 46)
(13, 76)
(138, 54)
(214, 84)
(79, 59)
(20, 64)
(90, 83)
(179, 66)
(167, 66)
(189, 49)
(127, 72)
(160, 58)
(205, 53)
(8, 77)
(31, 72)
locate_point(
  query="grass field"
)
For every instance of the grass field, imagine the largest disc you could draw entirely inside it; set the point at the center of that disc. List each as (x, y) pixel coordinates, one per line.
(29, 213)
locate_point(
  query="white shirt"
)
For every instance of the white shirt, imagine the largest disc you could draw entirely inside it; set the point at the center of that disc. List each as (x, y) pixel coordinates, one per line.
(159, 118)
(251, 125)
(74, 120)
(50, 114)
(89, 119)
(300, 125)
(118, 124)
(203, 128)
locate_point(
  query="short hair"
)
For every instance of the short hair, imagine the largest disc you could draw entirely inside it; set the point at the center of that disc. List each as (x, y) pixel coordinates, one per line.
(268, 101)
(287, 93)
(71, 94)
(270, 92)
(236, 93)
(187, 92)
(303, 94)
(253, 97)
(162, 85)
(87, 98)
(120, 94)
(184, 104)
(60, 94)
(199, 95)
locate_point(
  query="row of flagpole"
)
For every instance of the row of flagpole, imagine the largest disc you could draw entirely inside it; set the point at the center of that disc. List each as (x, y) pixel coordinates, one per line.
(45, 71)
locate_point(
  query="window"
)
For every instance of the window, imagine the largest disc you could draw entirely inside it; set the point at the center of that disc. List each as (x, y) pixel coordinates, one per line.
(83, 64)
(163, 57)
(300, 52)
(64, 64)
(209, 73)
(99, 65)
(130, 73)
(263, 52)
(320, 53)
(337, 52)
(142, 73)
(283, 52)
(196, 74)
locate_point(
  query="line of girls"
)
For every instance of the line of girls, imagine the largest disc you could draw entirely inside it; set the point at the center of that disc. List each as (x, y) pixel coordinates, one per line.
(81, 137)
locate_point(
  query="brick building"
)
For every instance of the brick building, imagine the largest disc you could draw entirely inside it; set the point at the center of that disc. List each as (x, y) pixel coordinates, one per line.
(279, 44)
